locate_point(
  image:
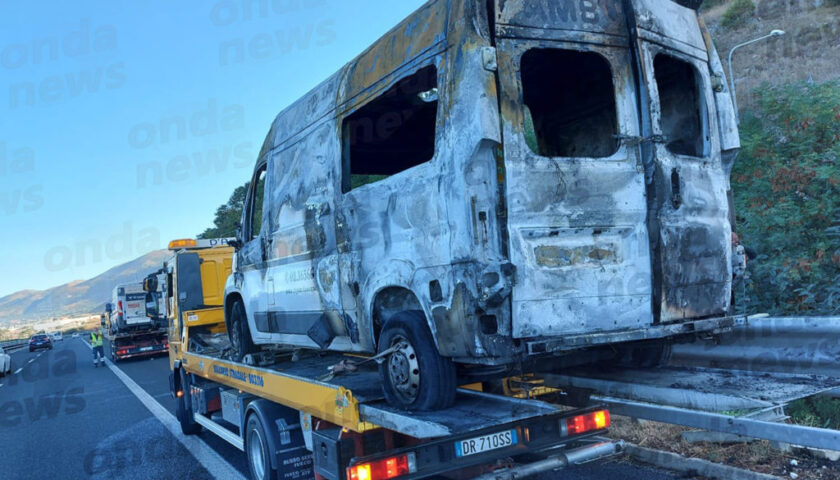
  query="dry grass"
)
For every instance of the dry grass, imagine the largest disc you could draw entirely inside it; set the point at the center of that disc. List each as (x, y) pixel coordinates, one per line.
(758, 456)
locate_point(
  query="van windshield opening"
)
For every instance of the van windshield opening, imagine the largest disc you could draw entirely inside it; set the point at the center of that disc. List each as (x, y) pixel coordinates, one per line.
(680, 106)
(393, 132)
(570, 106)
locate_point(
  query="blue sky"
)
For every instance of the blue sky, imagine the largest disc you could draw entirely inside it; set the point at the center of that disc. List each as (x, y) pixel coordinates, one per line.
(124, 125)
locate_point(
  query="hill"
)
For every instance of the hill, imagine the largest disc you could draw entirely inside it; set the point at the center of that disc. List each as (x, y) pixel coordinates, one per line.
(808, 52)
(78, 297)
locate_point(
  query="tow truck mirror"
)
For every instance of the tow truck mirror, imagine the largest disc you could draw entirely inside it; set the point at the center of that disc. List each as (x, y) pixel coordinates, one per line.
(109, 307)
(151, 305)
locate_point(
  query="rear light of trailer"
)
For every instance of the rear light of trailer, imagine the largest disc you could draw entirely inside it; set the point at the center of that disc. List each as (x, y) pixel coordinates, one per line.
(597, 420)
(122, 352)
(384, 469)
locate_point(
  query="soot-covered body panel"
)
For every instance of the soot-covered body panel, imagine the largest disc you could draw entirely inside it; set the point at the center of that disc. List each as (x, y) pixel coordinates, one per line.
(504, 167)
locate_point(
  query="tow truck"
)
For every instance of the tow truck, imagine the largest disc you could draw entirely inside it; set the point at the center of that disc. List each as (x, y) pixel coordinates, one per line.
(138, 339)
(315, 415)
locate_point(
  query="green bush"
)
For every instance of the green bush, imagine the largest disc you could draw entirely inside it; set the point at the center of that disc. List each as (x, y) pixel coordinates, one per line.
(822, 412)
(738, 13)
(786, 183)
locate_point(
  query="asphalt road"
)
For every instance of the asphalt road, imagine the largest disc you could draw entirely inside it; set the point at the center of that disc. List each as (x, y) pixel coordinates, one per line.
(60, 417)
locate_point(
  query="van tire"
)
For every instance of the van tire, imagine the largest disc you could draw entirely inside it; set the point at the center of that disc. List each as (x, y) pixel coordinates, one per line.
(437, 382)
(239, 333)
(184, 411)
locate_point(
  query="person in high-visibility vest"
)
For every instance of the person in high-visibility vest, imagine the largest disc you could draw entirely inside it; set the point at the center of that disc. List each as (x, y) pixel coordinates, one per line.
(96, 343)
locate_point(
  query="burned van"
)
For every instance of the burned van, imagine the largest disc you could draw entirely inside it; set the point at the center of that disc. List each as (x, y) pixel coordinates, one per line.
(494, 182)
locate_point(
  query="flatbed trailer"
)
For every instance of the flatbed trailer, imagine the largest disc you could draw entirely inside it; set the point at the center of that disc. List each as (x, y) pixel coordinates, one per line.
(136, 344)
(291, 420)
(313, 414)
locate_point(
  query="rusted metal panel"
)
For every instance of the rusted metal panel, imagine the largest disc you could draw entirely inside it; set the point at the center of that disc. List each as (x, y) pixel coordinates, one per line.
(667, 23)
(594, 16)
(420, 32)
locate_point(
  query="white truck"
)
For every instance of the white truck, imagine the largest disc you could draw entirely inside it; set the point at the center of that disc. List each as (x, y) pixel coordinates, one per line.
(128, 310)
(134, 329)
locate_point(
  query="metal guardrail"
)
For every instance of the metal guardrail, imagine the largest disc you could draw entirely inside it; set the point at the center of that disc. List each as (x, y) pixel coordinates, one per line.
(12, 345)
(756, 369)
(798, 345)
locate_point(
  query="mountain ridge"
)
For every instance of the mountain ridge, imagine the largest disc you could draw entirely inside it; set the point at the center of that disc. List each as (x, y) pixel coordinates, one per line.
(76, 297)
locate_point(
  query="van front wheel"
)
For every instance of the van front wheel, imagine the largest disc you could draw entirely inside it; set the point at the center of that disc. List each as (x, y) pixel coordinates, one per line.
(240, 334)
(414, 375)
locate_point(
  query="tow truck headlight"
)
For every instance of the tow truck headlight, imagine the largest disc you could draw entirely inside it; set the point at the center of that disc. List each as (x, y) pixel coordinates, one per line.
(384, 469)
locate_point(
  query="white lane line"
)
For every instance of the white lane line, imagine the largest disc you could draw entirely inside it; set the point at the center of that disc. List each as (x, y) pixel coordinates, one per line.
(209, 459)
(17, 371)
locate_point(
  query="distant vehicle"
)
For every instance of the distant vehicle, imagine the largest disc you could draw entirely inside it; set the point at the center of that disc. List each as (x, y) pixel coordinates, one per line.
(75, 335)
(128, 310)
(57, 336)
(5, 363)
(39, 341)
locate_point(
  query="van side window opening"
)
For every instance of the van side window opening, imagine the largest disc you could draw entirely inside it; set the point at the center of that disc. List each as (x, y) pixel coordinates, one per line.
(256, 204)
(680, 105)
(570, 105)
(392, 133)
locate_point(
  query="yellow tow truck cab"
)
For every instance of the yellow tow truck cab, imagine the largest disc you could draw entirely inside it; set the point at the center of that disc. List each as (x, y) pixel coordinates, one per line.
(193, 291)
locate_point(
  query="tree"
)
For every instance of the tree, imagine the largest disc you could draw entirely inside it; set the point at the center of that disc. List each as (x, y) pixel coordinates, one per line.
(228, 216)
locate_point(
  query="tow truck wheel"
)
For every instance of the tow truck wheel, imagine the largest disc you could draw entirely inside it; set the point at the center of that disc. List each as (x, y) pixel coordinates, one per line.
(256, 447)
(240, 335)
(185, 412)
(415, 376)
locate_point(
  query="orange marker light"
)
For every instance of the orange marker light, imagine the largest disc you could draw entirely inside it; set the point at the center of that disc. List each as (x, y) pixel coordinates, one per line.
(182, 243)
(601, 419)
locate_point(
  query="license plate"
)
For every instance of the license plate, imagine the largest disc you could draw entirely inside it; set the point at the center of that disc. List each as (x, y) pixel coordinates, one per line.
(146, 349)
(485, 443)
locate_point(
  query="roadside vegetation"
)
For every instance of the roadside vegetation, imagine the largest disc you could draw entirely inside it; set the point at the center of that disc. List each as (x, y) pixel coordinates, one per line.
(787, 199)
(737, 13)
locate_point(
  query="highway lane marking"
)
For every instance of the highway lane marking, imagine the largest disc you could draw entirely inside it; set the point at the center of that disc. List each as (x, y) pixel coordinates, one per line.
(209, 458)
(17, 371)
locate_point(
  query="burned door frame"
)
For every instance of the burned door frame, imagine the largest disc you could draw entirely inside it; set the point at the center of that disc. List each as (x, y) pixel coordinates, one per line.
(685, 215)
(253, 250)
(301, 268)
(586, 296)
(363, 231)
